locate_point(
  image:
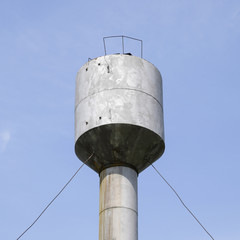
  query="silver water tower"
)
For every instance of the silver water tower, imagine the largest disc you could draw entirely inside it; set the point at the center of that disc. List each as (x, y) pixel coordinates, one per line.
(119, 117)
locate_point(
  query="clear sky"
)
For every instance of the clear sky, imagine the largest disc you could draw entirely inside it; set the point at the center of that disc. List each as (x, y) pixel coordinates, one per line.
(196, 47)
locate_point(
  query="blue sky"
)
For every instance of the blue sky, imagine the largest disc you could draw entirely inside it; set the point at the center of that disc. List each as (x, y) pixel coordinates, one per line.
(194, 44)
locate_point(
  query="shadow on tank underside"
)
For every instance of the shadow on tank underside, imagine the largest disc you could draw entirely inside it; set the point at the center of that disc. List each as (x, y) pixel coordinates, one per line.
(119, 145)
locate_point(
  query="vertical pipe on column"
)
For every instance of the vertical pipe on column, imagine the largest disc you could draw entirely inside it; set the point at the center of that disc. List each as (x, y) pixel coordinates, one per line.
(118, 207)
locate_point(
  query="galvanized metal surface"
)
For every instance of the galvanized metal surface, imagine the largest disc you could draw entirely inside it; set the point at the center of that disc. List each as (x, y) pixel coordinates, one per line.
(118, 205)
(119, 113)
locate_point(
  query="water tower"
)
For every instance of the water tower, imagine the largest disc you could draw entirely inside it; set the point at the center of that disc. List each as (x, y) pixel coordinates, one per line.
(119, 117)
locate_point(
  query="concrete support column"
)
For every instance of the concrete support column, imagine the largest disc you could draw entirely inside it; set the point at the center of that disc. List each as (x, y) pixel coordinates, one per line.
(118, 207)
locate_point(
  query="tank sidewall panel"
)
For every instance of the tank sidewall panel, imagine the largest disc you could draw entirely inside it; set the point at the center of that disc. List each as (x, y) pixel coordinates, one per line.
(116, 107)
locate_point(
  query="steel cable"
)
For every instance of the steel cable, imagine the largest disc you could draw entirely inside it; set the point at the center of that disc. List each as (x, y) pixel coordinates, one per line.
(55, 197)
(182, 202)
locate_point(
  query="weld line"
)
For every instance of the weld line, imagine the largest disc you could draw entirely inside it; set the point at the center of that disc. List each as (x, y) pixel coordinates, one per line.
(131, 89)
(117, 207)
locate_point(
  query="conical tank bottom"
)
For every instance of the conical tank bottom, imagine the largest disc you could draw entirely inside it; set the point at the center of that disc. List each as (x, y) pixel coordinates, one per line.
(119, 145)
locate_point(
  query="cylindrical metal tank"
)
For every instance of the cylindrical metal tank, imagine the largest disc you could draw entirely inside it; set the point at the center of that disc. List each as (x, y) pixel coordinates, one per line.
(119, 113)
(118, 206)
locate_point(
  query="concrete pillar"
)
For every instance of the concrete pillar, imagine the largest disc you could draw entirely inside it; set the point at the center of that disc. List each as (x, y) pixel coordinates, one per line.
(118, 206)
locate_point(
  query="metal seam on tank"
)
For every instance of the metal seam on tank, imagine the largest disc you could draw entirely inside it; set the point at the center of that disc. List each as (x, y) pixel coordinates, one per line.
(118, 207)
(111, 165)
(131, 89)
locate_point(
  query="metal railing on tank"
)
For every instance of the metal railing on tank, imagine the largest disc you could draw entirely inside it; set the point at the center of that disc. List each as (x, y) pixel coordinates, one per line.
(122, 37)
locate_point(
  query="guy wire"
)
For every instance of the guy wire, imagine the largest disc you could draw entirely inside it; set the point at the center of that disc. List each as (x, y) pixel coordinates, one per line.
(182, 202)
(55, 197)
